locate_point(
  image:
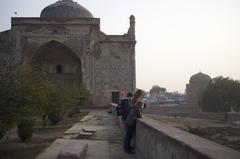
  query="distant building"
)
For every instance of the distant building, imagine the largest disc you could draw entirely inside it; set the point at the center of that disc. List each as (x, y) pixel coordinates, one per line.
(66, 41)
(196, 86)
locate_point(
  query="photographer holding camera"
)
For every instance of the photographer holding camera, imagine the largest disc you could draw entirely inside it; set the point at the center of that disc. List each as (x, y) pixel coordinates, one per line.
(135, 111)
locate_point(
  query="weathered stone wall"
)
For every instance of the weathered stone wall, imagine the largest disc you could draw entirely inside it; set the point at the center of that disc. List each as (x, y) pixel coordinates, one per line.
(197, 84)
(6, 46)
(106, 62)
(72, 36)
(31, 34)
(156, 140)
(114, 69)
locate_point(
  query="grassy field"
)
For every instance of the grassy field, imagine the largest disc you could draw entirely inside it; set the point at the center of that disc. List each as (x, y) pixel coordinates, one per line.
(12, 148)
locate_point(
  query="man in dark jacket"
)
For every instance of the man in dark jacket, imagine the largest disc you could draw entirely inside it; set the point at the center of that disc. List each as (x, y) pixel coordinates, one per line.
(135, 110)
(124, 104)
(124, 110)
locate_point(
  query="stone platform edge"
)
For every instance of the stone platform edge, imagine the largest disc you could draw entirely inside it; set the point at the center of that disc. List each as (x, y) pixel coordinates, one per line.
(158, 140)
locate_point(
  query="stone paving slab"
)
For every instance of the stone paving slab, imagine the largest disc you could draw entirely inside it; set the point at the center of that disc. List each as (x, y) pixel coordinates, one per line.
(86, 118)
(81, 127)
(60, 145)
(104, 143)
(98, 150)
(72, 151)
(73, 130)
(95, 149)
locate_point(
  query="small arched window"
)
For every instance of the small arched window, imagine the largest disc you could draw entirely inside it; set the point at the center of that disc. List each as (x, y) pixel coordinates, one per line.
(59, 69)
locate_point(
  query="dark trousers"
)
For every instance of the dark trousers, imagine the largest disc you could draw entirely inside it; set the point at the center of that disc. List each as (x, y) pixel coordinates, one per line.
(130, 130)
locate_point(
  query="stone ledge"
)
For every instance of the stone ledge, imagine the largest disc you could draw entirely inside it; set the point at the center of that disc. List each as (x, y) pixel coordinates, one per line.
(65, 21)
(158, 140)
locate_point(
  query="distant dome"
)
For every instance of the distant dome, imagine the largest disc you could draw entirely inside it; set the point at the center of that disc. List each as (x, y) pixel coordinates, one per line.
(200, 77)
(65, 9)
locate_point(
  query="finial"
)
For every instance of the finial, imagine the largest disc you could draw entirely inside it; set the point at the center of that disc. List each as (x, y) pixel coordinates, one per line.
(66, 0)
(132, 19)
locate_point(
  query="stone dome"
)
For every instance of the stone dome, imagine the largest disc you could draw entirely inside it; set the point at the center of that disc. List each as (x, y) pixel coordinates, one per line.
(200, 77)
(65, 9)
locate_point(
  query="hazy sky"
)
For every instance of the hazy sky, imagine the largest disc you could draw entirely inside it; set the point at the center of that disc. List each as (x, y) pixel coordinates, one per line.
(175, 38)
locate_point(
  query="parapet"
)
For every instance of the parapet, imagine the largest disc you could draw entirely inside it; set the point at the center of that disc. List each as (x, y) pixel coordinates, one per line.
(158, 140)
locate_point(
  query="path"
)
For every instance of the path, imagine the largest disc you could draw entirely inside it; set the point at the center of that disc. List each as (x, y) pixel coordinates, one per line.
(96, 135)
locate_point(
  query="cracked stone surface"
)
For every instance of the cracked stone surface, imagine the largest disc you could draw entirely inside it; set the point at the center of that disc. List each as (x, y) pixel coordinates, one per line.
(104, 140)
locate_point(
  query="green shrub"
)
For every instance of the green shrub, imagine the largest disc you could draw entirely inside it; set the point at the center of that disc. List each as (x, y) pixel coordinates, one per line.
(25, 128)
(55, 117)
(3, 130)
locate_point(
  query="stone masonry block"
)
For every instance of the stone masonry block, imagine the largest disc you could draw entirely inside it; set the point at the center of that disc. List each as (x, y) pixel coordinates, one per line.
(73, 152)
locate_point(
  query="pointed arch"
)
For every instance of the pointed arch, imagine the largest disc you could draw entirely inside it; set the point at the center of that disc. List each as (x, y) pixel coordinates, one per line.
(62, 64)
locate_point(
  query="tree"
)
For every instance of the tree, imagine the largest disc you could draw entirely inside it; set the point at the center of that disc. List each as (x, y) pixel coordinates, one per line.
(157, 91)
(221, 95)
(8, 106)
(236, 96)
(8, 96)
(16, 96)
(44, 93)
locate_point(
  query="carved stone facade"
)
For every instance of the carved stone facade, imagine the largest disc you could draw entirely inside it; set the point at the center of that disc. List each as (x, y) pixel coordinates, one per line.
(196, 86)
(73, 49)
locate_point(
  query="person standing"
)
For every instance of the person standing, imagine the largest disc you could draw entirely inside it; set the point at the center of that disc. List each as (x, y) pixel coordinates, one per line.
(135, 112)
(124, 110)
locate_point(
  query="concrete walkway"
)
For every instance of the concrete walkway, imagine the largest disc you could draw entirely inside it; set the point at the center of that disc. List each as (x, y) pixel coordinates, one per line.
(96, 136)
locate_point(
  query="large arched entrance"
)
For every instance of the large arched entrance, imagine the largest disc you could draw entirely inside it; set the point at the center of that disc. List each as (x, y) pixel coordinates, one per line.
(62, 65)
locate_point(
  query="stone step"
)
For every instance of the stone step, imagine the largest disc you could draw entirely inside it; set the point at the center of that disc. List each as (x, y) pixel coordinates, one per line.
(95, 149)
(88, 130)
(83, 135)
(79, 135)
(61, 147)
(73, 152)
(86, 118)
(73, 131)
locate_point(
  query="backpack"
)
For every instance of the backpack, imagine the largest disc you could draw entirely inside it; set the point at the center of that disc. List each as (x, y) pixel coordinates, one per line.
(119, 110)
(122, 109)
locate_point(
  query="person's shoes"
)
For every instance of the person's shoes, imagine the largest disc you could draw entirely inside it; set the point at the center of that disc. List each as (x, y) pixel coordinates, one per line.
(129, 151)
(131, 148)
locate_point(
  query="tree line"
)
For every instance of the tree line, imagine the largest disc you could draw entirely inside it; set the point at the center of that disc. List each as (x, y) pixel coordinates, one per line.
(222, 94)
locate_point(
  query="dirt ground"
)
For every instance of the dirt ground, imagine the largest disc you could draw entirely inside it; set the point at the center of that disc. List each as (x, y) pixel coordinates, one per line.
(12, 148)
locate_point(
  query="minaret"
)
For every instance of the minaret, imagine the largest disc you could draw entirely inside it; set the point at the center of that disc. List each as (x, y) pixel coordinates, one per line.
(132, 42)
(131, 31)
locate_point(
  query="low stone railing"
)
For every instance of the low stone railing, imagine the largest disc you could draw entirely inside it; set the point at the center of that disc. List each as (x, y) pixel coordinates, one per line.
(156, 140)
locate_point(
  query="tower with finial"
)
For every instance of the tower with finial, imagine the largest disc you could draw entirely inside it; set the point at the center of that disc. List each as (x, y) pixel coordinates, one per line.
(131, 31)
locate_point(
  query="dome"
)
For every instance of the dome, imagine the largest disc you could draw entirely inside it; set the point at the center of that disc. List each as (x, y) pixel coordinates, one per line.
(200, 77)
(65, 9)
